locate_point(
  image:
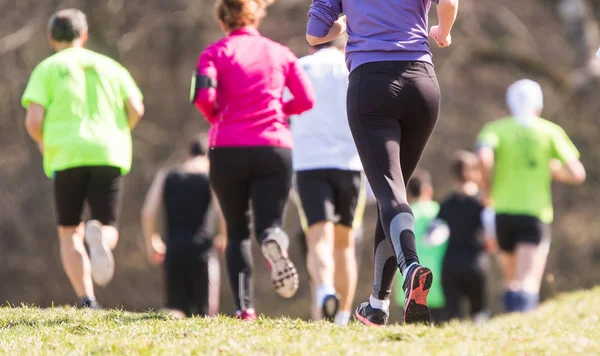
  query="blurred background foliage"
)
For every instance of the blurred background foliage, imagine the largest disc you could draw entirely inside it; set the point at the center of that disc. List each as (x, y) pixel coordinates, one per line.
(494, 44)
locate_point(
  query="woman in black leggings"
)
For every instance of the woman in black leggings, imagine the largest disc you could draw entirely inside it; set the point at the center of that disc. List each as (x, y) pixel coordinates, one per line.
(239, 90)
(393, 104)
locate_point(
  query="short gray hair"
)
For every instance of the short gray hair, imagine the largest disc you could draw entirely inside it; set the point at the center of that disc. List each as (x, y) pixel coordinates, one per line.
(67, 25)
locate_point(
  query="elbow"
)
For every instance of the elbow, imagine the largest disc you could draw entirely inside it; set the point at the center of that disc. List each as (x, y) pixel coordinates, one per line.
(140, 110)
(147, 214)
(579, 177)
(313, 40)
(309, 103)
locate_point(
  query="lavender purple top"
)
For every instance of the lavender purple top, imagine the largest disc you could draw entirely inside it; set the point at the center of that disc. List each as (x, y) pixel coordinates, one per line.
(378, 30)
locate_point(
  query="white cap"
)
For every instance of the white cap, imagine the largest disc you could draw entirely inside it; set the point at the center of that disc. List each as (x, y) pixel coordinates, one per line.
(524, 99)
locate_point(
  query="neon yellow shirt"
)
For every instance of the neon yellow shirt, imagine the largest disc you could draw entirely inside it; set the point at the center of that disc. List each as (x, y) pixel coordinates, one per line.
(521, 181)
(430, 256)
(85, 123)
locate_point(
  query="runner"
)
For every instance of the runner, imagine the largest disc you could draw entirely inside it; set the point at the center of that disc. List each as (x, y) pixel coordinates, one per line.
(425, 210)
(393, 104)
(191, 266)
(329, 184)
(468, 230)
(520, 156)
(239, 89)
(81, 107)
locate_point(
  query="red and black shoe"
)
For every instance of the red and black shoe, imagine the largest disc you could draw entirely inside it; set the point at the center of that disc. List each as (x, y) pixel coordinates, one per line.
(247, 315)
(371, 316)
(417, 283)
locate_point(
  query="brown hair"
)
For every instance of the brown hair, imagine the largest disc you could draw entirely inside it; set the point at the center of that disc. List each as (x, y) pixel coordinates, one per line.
(419, 179)
(240, 13)
(462, 162)
(67, 25)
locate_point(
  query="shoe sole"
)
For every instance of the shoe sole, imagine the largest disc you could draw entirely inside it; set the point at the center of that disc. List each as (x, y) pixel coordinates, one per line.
(330, 307)
(416, 310)
(101, 258)
(365, 321)
(283, 272)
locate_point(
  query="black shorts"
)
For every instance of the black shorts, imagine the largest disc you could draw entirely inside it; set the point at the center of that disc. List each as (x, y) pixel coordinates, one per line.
(330, 195)
(99, 186)
(189, 275)
(514, 229)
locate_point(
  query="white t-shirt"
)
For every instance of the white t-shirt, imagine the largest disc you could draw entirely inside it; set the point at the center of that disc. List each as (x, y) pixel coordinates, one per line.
(322, 138)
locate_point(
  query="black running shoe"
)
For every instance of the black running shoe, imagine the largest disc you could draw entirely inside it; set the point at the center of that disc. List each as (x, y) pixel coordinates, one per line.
(330, 307)
(417, 283)
(87, 302)
(371, 316)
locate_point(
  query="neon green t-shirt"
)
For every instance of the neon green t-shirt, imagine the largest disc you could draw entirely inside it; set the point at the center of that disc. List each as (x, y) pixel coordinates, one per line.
(521, 182)
(85, 123)
(430, 256)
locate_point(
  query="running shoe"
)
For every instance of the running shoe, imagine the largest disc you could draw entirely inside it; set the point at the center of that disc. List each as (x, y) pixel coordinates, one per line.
(247, 315)
(371, 316)
(417, 283)
(88, 302)
(101, 258)
(330, 307)
(283, 272)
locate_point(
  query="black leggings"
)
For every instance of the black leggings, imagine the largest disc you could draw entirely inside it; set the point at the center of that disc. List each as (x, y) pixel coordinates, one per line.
(392, 109)
(239, 176)
(187, 272)
(464, 277)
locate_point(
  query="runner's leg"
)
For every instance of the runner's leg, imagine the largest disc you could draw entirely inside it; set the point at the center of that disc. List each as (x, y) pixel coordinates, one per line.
(229, 179)
(69, 194)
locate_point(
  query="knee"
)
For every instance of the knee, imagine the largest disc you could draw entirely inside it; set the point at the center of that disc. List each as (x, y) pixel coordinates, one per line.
(345, 241)
(319, 231)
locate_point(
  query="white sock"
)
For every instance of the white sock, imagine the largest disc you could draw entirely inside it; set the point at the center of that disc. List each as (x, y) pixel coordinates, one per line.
(404, 271)
(323, 291)
(342, 318)
(379, 304)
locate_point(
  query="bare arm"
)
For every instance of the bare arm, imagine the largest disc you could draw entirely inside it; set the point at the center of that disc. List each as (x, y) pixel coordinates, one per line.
(152, 204)
(446, 12)
(220, 241)
(486, 163)
(337, 29)
(34, 122)
(135, 111)
(572, 172)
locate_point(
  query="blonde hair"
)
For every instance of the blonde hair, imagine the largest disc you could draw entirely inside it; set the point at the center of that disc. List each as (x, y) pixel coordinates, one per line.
(240, 13)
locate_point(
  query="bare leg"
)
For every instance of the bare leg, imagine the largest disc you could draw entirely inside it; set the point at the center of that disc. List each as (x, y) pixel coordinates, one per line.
(320, 238)
(214, 280)
(346, 273)
(531, 261)
(75, 260)
(508, 265)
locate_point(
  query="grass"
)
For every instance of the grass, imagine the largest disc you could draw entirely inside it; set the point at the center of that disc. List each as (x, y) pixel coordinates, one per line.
(568, 325)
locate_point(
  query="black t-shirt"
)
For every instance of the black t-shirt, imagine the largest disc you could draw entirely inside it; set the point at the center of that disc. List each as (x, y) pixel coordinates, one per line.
(462, 213)
(189, 209)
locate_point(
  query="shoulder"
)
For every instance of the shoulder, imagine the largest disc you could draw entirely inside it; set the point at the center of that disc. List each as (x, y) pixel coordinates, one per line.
(215, 48)
(280, 49)
(550, 127)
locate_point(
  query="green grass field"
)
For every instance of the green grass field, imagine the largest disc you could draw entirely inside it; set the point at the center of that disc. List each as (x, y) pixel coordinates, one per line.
(567, 325)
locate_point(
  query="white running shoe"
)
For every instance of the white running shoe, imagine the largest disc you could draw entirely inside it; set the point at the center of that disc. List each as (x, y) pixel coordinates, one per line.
(283, 272)
(101, 258)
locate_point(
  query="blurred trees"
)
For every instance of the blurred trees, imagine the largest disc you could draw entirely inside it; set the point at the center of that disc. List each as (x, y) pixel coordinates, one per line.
(494, 44)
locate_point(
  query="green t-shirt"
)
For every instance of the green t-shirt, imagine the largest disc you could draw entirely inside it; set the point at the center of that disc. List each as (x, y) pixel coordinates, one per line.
(522, 179)
(85, 123)
(430, 256)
